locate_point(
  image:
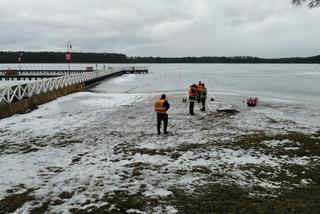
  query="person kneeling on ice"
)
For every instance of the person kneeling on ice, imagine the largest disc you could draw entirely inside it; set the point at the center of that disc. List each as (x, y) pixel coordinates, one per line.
(161, 107)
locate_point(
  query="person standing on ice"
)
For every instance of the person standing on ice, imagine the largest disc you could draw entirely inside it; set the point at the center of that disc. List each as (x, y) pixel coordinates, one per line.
(161, 107)
(199, 91)
(192, 98)
(203, 96)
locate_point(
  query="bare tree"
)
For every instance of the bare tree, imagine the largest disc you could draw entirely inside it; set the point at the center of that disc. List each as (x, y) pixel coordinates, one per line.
(310, 3)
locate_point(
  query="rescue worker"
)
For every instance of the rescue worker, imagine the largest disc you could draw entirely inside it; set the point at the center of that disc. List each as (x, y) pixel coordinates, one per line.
(203, 96)
(192, 98)
(161, 107)
(199, 91)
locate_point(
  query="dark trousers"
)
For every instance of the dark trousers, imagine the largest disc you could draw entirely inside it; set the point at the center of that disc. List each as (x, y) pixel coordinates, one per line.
(198, 98)
(203, 101)
(162, 117)
(191, 107)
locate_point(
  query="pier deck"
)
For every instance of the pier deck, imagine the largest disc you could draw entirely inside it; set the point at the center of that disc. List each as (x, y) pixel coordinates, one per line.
(52, 73)
(29, 76)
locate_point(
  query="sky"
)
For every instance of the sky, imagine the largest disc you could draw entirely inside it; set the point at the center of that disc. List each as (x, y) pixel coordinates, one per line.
(172, 28)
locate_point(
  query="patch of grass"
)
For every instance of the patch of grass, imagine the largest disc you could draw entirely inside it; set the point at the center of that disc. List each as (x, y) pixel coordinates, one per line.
(139, 165)
(12, 202)
(92, 210)
(288, 175)
(120, 202)
(260, 171)
(42, 209)
(190, 147)
(57, 202)
(181, 172)
(308, 145)
(209, 199)
(66, 195)
(124, 201)
(136, 172)
(150, 152)
(294, 174)
(217, 198)
(122, 147)
(201, 169)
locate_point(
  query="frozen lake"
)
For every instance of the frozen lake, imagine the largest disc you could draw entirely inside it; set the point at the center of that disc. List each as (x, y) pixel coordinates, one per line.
(282, 81)
(293, 82)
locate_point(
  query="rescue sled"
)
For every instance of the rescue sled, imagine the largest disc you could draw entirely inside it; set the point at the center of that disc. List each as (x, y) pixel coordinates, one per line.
(252, 102)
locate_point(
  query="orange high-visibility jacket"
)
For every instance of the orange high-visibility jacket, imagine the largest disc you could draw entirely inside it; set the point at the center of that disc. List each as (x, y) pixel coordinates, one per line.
(159, 106)
(191, 94)
(200, 88)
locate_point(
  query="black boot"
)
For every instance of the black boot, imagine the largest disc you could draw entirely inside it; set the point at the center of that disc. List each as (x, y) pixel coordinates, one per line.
(165, 129)
(191, 108)
(158, 129)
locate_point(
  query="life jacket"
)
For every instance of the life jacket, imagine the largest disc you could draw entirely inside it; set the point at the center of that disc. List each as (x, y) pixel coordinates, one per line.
(204, 92)
(190, 92)
(159, 106)
(200, 88)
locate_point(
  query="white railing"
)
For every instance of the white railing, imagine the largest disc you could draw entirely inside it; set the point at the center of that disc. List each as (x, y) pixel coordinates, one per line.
(13, 93)
(130, 67)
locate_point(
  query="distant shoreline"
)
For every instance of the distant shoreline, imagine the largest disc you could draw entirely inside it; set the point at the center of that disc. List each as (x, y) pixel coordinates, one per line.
(130, 63)
(10, 57)
(82, 57)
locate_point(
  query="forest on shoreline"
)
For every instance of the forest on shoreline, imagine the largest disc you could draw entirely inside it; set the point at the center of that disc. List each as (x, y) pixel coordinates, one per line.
(86, 57)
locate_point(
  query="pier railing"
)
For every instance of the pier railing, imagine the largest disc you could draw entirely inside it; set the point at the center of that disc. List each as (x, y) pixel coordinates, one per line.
(11, 94)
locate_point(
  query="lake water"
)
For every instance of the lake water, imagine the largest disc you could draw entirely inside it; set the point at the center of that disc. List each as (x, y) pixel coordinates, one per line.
(299, 82)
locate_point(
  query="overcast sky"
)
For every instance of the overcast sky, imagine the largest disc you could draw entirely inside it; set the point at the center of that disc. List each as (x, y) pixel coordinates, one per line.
(264, 28)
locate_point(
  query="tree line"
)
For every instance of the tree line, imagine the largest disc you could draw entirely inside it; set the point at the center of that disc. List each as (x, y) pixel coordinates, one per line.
(60, 57)
(85, 57)
(310, 3)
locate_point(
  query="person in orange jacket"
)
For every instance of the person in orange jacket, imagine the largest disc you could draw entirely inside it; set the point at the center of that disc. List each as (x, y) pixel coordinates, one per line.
(203, 91)
(199, 91)
(161, 107)
(192, 98)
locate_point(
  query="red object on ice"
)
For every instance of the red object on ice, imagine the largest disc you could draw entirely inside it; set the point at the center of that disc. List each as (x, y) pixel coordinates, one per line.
(252, 102)
(68, 56)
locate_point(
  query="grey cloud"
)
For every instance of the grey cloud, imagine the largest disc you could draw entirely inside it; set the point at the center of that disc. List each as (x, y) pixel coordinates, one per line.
(272, 28)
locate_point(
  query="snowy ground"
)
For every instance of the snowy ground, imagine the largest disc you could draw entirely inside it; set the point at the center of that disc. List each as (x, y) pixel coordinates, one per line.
(96, 152)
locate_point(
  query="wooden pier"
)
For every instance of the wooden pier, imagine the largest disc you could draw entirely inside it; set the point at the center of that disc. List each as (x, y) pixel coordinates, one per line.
(21, 97)
(45, 74)
(47, 71)
(29, 76)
